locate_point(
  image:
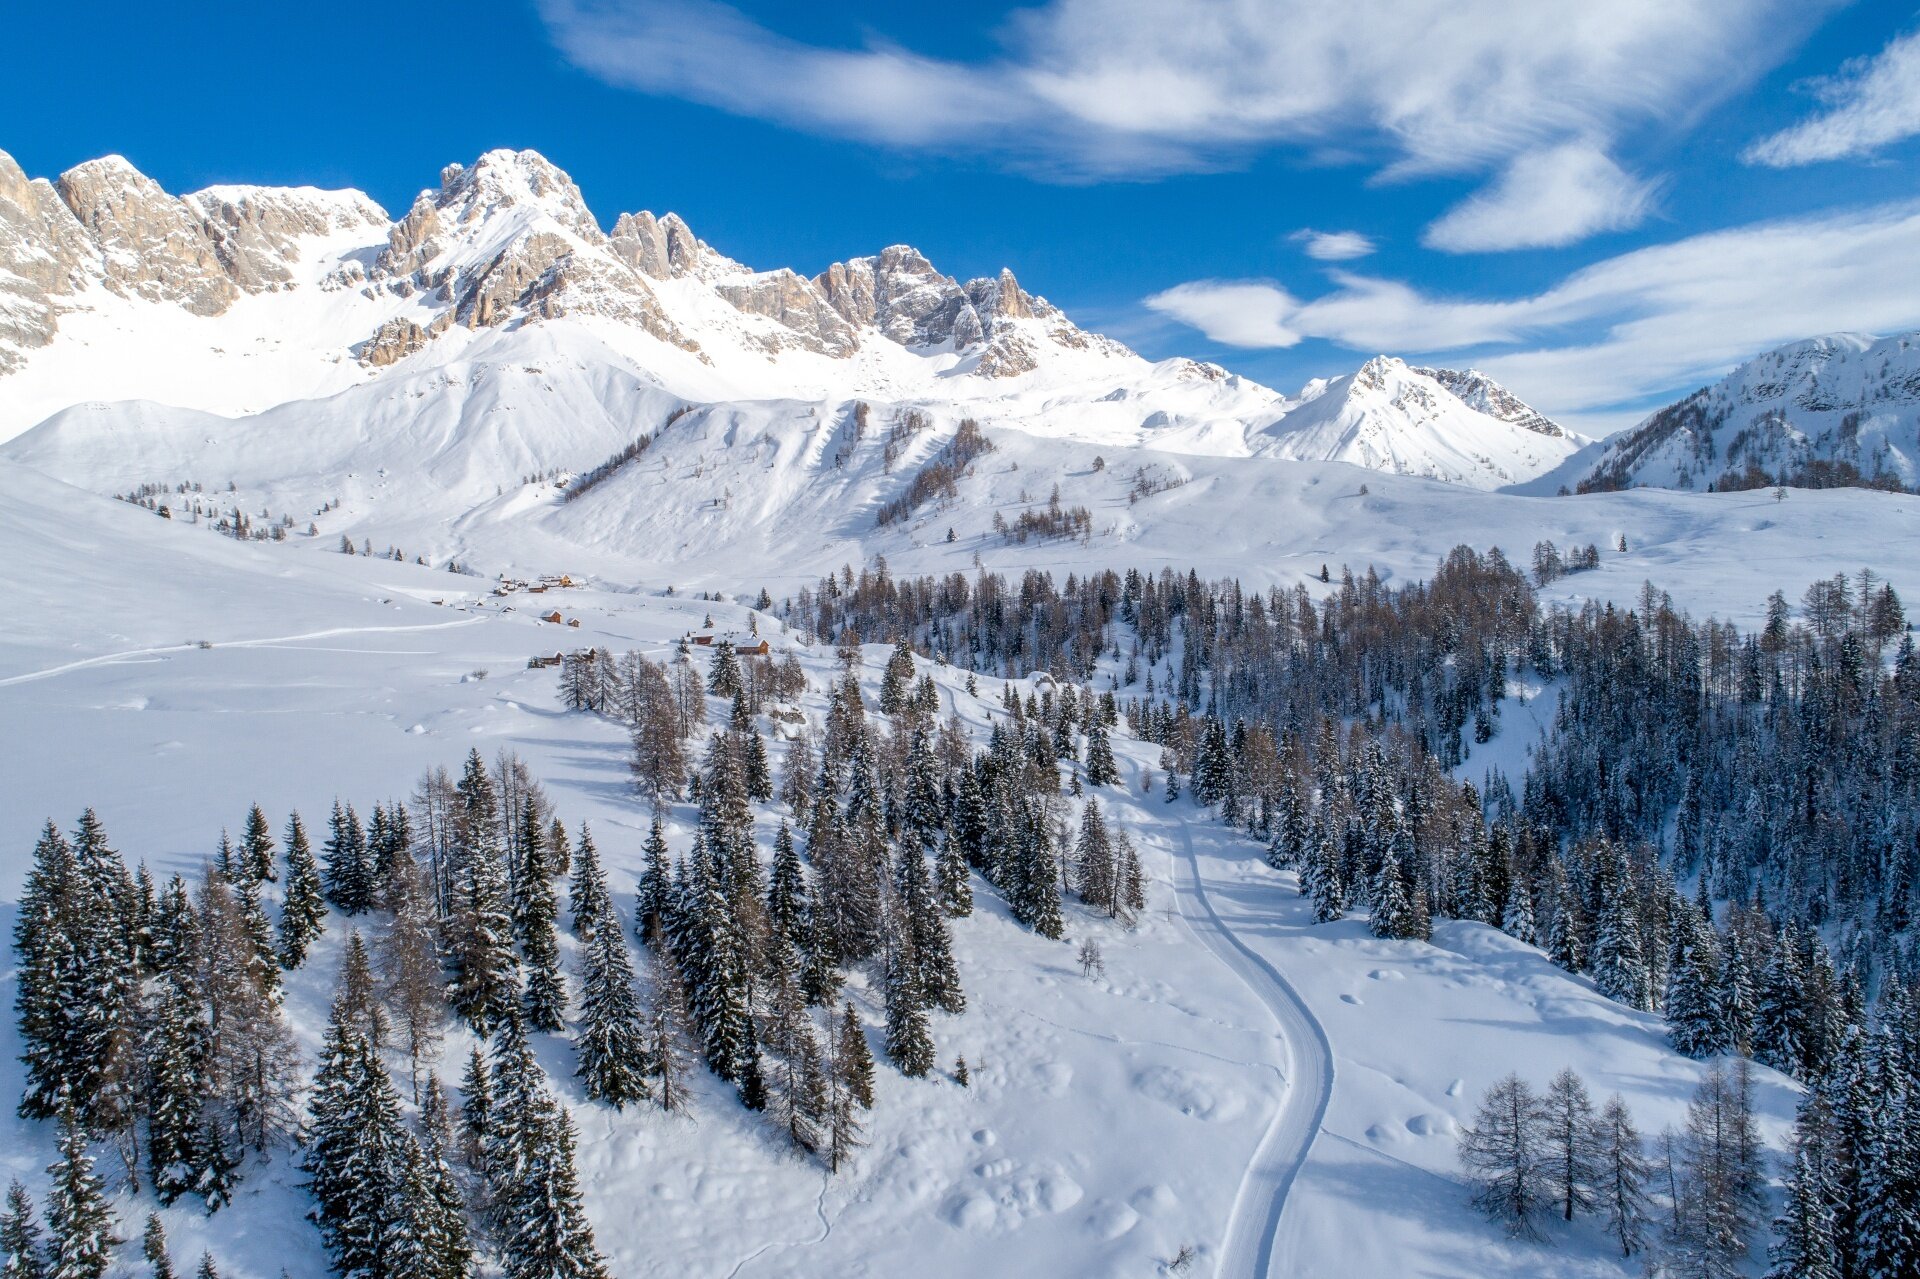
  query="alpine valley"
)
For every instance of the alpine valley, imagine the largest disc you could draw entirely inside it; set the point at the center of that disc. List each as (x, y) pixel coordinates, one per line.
(852, 773)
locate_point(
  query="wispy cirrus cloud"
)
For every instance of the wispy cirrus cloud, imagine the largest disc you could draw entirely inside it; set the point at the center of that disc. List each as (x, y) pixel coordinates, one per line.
(1630, 326)
(1871, 103)
(1112, 88)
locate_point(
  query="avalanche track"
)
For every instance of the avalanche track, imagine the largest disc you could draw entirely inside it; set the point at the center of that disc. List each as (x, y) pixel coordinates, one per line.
(1307, 1069)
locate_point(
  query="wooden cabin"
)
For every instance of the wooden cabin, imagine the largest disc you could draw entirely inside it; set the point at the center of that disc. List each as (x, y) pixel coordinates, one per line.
(553, 617)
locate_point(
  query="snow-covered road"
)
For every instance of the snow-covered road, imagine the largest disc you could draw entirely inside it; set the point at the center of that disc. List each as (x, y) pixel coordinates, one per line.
(1306, 1066)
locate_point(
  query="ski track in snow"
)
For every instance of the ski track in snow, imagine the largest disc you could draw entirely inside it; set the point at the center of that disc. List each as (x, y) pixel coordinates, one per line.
(271, 641)
(1248, 1250)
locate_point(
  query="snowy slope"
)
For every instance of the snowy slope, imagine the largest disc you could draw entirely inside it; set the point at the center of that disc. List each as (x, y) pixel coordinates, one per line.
(1843, 398)
(1174, 1103)
(1461, 427)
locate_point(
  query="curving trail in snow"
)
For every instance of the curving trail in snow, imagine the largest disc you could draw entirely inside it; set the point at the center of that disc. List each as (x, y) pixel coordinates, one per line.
(1307, 1056)
(136, 654)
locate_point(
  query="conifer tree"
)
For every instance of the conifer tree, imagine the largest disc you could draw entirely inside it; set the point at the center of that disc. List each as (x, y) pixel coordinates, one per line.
(855, 1059)
(612, 1047)
(1804, 1245)
(411, 980)
(1101, 768)
(545, 996)
(80, 1238)
(480, 944)
(787, 890)
(48, 948)
(850, 1087)
(723, 674)
(909, 1044)
(303, 913)
(954, 878)
(666, 1030)
(925, 925)
(655, 883)
(174, 1094)
(1502, 1156)
(1571, 1152)
(1516, 916)
(896, 679)
(21, 1254)
(256, 849)
(153, 1247)
(476, 1117)
(348, 879)
(587, 892)
(545, 1232)
(440, 1209)
(1623, 1174)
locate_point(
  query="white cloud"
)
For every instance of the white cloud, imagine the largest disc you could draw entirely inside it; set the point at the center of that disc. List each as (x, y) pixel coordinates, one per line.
(1872, 102)
(1554, 196)
(1332, 246)
(1244, 313)
(1642, 323)
(1088, 88)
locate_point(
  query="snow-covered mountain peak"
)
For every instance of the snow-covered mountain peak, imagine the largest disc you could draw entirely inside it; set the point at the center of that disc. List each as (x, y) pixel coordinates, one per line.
(1390, 416)
(1838, 408)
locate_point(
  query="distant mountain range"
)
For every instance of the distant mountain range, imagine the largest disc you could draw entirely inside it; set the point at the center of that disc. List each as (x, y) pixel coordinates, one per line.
(236, 300)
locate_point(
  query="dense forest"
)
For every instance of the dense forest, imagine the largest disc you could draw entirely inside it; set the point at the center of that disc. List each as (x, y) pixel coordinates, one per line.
(1775, 773)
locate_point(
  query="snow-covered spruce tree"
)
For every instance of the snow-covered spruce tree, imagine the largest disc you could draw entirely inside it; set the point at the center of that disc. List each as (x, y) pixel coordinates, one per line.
(1516, 917)
(356, 1153)
(48, 948)
(716, 962)
(954, 879)
(174, 1052)
(303, 913)
(479, 942)
(655, 881)
(723, 673)
(1886, 1234)
(543, 1231)
(348, 878)
(850, 1088)
(1101, 768)
(925, 925)
(153, 1249)
(923, 809)
(21, 1256)
(439, 1216)
(798, 1098)
(1805, 1245)
(611, 1050)
(787, 890)
(1779, 1032)
(1503, 1153)
(80, 1238)
(909, 1043)
(1694, 1026)
(544, 997)
(256, 849)
(1096, 878)
(897, 679)
(587, 896)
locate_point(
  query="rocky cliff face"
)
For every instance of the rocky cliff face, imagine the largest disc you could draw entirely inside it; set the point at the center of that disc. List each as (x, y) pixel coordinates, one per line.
(151, 245)
(502, 241)
(105, 224)
(1484, 395)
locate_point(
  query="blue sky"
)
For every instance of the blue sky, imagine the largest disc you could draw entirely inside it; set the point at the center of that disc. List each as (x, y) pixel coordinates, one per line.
(1600, 204)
